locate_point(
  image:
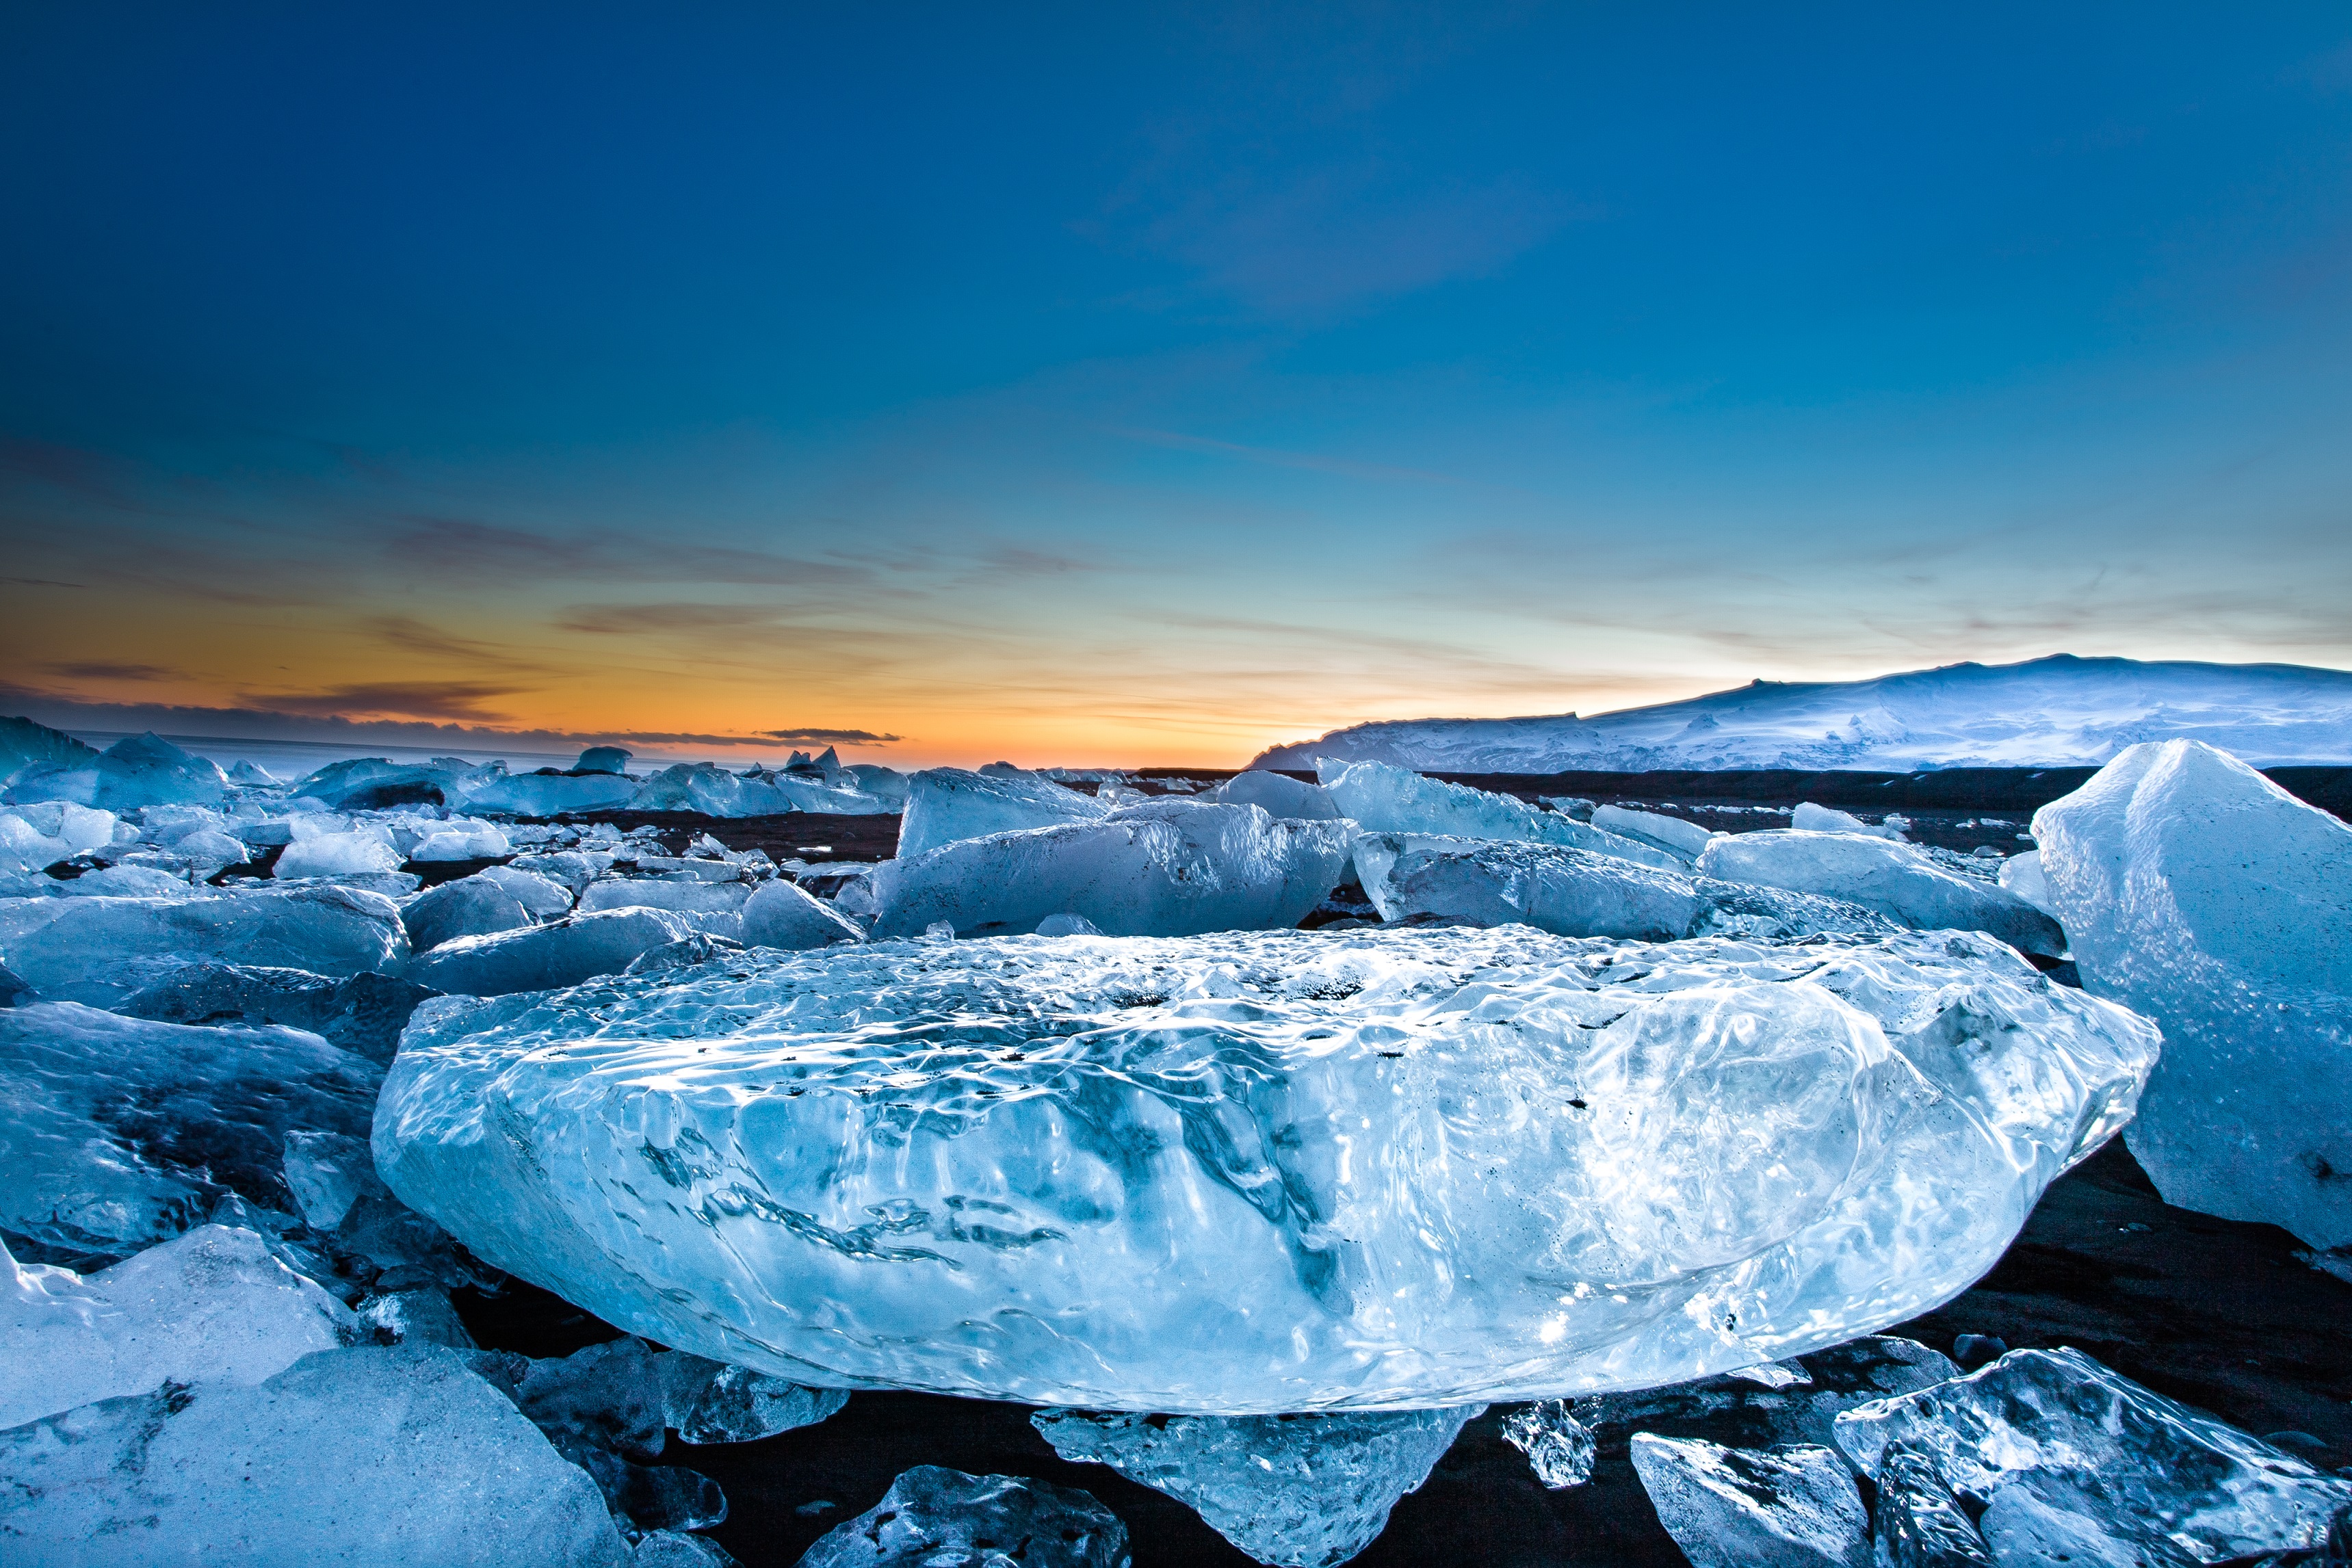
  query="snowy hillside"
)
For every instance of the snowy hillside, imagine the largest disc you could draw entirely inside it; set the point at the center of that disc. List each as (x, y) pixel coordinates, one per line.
(2047, 712)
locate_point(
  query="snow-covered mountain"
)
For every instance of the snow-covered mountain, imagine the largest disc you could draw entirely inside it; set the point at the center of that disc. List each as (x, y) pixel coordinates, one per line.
(2046, 712)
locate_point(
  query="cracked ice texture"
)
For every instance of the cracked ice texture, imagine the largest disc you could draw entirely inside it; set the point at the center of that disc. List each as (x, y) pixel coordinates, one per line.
(2200, 894)
(1253, 1174)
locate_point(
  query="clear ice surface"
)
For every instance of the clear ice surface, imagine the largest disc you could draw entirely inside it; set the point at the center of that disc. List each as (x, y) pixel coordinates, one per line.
(213, 1304)
(2105, 1458)
(1256, 1174)
(2203, 895)
(945, 806)
(563, 951)
(1896, 880)
(1162, 868)
(469, 906)
(603, 760)
(1380, 799)
(364, 848)
(117, 1133)
(1763, 1405)
(781, 915)
(1560, 1447)
(673, 1548)
(137, 771)
(102, 951)
(542, 897)
(933, 1517)
(1793, 1506)
(1304, 1491)
(1279, 796)
(362, 1456)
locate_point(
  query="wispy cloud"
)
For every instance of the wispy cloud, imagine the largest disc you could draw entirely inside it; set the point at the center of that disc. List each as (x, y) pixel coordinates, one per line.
(486, 551)
(461, 699)
(102, 669)
(831, 737)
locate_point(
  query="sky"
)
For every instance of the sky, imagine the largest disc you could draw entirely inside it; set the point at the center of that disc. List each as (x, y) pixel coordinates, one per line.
(1133, 385)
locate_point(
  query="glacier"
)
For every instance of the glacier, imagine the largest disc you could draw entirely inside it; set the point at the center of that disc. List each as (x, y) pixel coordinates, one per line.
(2059, 711)
(1259, 1174)
(2201, 894)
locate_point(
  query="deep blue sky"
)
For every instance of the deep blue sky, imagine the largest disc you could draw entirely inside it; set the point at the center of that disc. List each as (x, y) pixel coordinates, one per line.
(1081, 386)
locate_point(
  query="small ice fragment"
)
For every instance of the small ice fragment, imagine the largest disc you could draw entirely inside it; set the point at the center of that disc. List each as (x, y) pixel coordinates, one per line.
(1560, 1447)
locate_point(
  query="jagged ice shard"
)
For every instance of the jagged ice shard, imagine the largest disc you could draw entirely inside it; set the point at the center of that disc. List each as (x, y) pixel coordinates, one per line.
(1255, 1174)
(2201, 894)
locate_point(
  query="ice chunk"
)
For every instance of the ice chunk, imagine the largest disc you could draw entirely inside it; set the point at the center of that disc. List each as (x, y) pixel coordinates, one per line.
(1300, 1491)
(2021, 875)
(1776, 914)
(2203, 895)
(101, 951)
(116, 1132)
(1279, 797)
(1560, 1447)
(362, 783)
(24, 742)
(211, 1305)
(361, 850)
(1917, 1523)
(543, 897)
(563, 951)
(359, 1456)
(1671, 834)
(148, 769)
(603, 760)
(125, 882)
(2086, 1441)
(707, 788)
(469, 906)
(1256, 1174)
(1166, 867)
(549, 793)
(1787, 1507)
(571, 868)
(947, 805)
(1569, 892)
(1810, 818)
(711, 1402)
(252, 775)
(936, 1518)
(887, 785)
(212, 849)
(1382, 798)
(365, 1012)
(462, 838)
(781, 915)
(1895, 880)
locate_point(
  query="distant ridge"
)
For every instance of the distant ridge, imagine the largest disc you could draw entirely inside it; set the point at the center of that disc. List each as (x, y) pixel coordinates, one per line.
(2059, 711)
